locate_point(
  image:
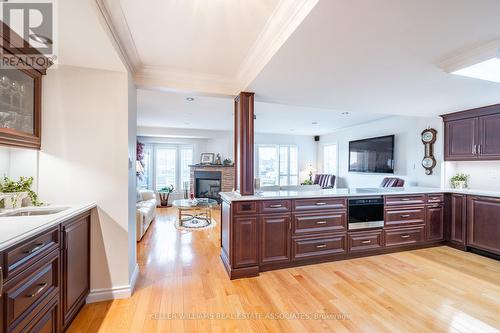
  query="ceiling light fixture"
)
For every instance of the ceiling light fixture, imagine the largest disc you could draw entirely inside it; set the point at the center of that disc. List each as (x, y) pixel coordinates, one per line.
(480, 63)
(345, 113)
(314, 123)
(189, 99)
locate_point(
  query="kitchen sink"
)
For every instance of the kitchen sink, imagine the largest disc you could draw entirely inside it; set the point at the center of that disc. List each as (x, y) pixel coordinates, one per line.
(33, 211)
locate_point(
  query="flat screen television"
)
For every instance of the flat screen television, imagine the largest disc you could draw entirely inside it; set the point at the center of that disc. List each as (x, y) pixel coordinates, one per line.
(373, 155)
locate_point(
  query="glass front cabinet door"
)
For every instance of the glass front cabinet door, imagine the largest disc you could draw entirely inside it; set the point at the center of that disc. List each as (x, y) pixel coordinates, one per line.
(20, 96)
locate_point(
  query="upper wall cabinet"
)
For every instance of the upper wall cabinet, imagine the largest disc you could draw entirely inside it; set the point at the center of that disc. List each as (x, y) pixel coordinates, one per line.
(20, 91)
(472, 135)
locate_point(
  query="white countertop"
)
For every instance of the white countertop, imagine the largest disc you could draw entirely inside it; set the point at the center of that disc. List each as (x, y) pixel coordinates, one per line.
(14, 229)
(350, 192)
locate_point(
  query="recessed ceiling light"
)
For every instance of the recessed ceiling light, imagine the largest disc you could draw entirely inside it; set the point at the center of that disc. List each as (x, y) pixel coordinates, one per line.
(482, 62)
(41, 39)
(314, 123)
(345, 113)
(189, 99)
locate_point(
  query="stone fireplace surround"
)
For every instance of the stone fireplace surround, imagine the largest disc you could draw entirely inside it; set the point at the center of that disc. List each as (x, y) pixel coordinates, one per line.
(226, 172)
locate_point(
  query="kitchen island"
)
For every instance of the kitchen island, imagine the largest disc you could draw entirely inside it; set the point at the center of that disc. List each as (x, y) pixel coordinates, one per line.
(278, 229)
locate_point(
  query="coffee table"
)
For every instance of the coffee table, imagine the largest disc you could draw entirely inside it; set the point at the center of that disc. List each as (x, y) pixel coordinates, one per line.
(195, 210)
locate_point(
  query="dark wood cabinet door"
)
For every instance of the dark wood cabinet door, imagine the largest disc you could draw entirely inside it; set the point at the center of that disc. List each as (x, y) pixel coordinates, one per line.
(75, 266)
(489, 137)
(435, 222)
(458, 218)
(275, 238)
(483, 223)
(245, 244)
(460, 141)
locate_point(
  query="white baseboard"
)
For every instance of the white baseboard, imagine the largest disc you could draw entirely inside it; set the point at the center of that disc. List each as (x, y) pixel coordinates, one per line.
(107, 294)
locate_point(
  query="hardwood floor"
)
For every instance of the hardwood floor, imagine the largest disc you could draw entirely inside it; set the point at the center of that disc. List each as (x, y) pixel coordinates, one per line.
(430, 290)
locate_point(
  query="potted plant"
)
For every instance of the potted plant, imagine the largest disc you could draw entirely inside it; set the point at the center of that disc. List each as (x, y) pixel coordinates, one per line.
(15, 191)
(164, 194)
(459, 181)
(227, 162)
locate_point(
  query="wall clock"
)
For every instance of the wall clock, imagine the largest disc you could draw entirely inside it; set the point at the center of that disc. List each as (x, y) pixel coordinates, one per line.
(428, 139)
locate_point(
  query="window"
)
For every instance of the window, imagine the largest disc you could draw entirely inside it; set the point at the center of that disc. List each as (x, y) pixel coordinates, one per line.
(165, 165)
(277, 165)
(330, 159)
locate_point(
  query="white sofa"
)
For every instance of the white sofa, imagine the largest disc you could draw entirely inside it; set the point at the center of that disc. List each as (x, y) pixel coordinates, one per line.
(145, 211)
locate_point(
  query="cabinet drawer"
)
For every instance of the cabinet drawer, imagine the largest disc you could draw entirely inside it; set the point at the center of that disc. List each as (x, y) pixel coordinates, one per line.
(245, 207)
(276, 206)
(334, 221)
(323, 204)
(364, 241)
(29, 291)
(316, 247)
(435, 198)
(404, 236)
(403, 217)
(404, 200)
(21, 256)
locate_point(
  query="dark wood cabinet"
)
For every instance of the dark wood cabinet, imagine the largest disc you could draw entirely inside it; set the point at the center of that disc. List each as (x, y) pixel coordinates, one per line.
(75, 255)
(457, 219)
(46, 278)
(275, 238)
(489, 136)
(483, 223)
(20, 92)
(435, 222)
(245, 246)
(473, 134)
(461, 139)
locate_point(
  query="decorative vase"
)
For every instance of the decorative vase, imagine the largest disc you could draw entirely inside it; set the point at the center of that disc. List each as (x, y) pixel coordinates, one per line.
(14, 200)
(460, 185)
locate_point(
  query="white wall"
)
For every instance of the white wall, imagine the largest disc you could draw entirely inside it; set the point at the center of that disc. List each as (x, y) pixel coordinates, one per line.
(409, 150)
(484, 175)
(307, 148)
(85, 158)
(17, 162)
(133, 268)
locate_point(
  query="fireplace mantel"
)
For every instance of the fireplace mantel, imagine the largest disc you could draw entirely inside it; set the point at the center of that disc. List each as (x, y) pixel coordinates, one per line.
(227, 175)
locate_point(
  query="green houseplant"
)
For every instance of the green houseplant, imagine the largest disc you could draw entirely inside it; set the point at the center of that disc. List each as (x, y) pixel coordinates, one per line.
(164, 194)
(459, 181)
(23, 185)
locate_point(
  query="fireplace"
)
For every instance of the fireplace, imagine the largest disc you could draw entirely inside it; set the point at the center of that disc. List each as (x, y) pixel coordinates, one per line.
(207, 184)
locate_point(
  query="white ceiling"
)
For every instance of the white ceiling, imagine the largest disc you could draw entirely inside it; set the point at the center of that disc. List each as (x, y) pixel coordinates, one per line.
(211, 37)
(171, 110)
(382, 57)
(81, 40)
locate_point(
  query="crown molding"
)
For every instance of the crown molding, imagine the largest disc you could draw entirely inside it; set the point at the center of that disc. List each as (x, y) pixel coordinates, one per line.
(114, 19)
(286, 17)
(283, 21)
(187, 81)
(471, 56)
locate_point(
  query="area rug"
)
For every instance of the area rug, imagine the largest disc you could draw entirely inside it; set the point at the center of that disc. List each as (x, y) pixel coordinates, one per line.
(195, 224)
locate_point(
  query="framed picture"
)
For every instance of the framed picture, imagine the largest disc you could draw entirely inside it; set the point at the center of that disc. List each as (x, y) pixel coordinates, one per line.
(207, 158)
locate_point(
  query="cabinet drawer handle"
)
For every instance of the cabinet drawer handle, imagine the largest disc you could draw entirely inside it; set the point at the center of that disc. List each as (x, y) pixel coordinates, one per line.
(320, 222)
(405, 216)
(366, 242)
(405, 199)
(320, 203)
(322, 246)
(405, 236)
(36, 248)
(38, 291)
(275, 206)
